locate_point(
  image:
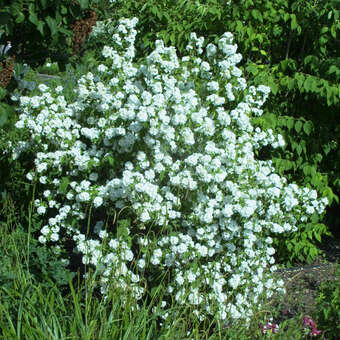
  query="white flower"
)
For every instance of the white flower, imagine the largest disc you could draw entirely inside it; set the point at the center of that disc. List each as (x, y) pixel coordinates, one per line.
(270, 251)
(41, 167)
(59, 89)
(155, 260)
(211, 50)
(142, 116)
(83, 196)
(42, 239)
(114, 244)
(191, 277)
(141, 264)
(102, 68)
(54, 237)
(179, 279)
(234, 281)
(29, 176)
(310, 210)
(188, 136)
(41, 210)
(98, 201)
(43, 87)
(128, 255)
(144, 217)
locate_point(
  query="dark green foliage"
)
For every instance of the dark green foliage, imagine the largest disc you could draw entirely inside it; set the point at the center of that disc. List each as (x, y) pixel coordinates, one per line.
(12, 172)
(327, 313)
(6, 111)
(42, 267)
(38, 29)
(20, 252)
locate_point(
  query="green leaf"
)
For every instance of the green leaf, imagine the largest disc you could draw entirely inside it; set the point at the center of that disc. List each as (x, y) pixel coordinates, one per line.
(311, 59)
(63, 10)
(65, 31)
(298, 126)
(324, 30)
(310, 84)
(318, 158)
(20, 18)
(4, 112)
(293, 23)
(307, 127)
(290, 122)
(3, 93)
(300, 80)
(290, 83)
(299, 149)
(306, 169)
(33, 18)
(316, 180)
(333, 69)
(256, 14)
(40, 27)
(123, 228)
(173, 38)
(111, 161)
(326, 148)
(323, 40)
(252, 68)
(286, 17)
(333, 31)
(43, 4)
(52, 24)
(64, 184)
(84, 4)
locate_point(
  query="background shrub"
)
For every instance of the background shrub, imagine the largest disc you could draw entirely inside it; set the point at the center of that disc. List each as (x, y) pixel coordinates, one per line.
(327, 312)
(41, 28)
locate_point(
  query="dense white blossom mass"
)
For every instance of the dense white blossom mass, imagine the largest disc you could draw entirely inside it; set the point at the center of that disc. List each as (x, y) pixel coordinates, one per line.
(169, 144)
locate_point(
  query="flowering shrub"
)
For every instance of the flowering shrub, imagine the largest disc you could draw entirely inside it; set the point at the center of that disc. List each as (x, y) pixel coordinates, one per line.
(152, 170)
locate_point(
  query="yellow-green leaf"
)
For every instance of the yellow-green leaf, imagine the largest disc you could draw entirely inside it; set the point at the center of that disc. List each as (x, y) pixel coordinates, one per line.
(298, 126)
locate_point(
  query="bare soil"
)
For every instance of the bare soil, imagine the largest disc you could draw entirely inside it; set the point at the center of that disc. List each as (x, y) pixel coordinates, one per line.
(302, 284)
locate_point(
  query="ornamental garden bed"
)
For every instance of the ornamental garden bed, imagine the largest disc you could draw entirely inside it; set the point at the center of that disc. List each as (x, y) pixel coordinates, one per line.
(105, 217)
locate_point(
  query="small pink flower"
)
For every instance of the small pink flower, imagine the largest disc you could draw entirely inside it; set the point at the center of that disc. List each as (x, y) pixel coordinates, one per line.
(269, 326)
(309, 322)
(315, 332)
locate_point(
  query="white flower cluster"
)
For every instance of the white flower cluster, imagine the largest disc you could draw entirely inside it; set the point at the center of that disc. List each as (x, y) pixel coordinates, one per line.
(169, 142)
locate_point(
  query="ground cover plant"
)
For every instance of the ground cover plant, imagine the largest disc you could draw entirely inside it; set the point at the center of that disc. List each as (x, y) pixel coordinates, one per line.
(40, 29)
(327, 312)
(150, 175)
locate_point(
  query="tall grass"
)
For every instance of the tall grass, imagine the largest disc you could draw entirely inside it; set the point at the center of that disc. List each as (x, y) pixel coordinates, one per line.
(32, 308)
